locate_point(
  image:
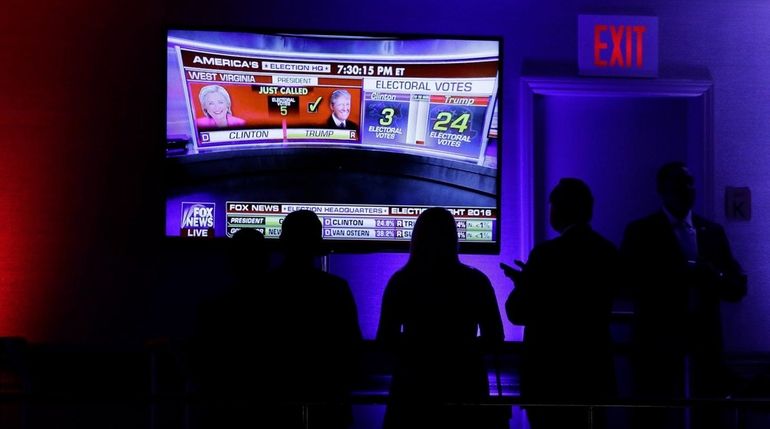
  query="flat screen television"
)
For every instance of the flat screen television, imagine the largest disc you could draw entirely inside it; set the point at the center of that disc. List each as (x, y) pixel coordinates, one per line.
(366, 130)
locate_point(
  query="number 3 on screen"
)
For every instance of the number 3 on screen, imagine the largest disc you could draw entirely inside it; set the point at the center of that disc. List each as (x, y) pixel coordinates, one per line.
(387, 116)
(443, 118)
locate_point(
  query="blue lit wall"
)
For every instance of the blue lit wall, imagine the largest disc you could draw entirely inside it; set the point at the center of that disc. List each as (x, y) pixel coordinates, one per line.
(79, 142)
(697, 39)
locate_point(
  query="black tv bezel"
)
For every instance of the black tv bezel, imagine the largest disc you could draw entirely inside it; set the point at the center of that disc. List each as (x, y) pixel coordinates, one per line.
(344, 246)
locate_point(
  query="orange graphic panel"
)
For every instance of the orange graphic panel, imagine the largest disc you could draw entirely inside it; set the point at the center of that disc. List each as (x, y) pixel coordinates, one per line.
(268, 105)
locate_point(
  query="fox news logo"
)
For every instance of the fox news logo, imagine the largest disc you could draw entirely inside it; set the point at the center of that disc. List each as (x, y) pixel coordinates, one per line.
(197, 220)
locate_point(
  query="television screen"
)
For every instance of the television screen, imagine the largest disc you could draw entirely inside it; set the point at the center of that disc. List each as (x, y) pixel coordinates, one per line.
(367, 131)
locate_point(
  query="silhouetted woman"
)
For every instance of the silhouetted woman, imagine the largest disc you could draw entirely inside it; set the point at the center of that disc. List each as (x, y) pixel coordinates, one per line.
(438, 317)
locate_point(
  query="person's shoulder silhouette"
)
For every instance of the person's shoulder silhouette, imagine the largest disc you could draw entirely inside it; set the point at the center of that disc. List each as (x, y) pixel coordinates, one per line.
(223, 357)
(299, 275)
(672, 249)
(563, 298)
(312, 335)
(437, 317)
(680, 268)
(554, 266)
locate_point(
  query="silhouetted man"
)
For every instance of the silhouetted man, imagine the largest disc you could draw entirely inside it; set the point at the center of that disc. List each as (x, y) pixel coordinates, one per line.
(563, 298)
(224, 352)
(680, 267)
(310, 335)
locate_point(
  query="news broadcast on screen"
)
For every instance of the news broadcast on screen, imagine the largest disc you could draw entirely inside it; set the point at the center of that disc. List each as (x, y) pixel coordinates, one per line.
(366, 131)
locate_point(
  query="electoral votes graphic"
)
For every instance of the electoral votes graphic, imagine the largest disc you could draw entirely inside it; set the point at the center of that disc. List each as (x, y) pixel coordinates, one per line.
(456, 124)
(387, 117)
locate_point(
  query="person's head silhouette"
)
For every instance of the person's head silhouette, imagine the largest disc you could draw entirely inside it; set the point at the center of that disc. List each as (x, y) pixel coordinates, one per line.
(301, 237)
(676, 187)
(571, 204)
(248, 253)
(434, 238)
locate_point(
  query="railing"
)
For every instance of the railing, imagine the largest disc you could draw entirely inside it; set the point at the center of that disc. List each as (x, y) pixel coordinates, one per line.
(17, 410)
(159, 396)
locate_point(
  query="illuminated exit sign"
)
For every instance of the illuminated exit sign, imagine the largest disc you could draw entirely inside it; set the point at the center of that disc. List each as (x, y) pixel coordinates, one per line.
(617, 45)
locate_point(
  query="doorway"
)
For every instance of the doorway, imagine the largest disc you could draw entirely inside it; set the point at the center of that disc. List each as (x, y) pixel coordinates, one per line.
(613, 134)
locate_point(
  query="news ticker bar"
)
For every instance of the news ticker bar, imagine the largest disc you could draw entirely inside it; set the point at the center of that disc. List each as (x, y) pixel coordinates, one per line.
(358, 222)
(276, 135)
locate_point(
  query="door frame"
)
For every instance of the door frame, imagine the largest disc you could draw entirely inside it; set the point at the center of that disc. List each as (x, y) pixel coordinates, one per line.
(532, 86)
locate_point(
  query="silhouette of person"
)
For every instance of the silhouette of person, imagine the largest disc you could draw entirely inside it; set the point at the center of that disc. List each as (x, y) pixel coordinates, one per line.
(563, 298)
(223, 351)
(438, 318)
(311, 335)
(680, 267)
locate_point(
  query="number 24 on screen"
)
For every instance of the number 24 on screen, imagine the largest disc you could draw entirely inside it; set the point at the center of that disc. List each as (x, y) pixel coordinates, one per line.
(444, 118)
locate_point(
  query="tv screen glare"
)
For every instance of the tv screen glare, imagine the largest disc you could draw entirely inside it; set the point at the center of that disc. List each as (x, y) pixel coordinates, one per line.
(366, 131)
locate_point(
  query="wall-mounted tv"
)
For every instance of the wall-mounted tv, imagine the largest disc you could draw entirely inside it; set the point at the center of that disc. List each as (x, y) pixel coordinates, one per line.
(366, 130)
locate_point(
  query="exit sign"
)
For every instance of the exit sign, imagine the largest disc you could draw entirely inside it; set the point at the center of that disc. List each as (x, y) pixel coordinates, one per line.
(618, 45)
